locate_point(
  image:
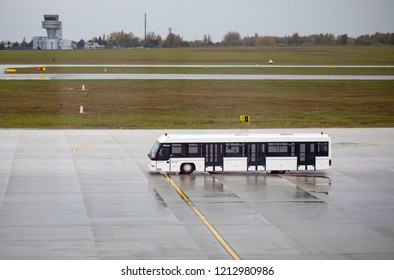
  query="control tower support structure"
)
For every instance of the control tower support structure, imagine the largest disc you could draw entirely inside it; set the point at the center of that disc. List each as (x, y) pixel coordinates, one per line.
(53, 26)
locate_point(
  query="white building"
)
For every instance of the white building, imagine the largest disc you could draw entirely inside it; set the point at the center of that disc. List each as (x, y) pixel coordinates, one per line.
(94, 46)
(54, 40)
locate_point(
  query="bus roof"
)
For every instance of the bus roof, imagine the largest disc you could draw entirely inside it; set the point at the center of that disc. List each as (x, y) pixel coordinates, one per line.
(239, 138)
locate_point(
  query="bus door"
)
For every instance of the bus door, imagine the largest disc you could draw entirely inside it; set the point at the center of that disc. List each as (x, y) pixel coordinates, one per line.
(306, 156)
(256, 156)
(213, 156)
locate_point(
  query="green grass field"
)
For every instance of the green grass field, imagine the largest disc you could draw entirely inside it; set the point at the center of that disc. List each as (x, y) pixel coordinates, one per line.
(334, 55)
(196, 104)
(169, 104)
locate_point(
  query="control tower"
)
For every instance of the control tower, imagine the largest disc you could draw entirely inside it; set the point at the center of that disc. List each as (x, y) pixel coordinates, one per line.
(53, 26)
(54, 40)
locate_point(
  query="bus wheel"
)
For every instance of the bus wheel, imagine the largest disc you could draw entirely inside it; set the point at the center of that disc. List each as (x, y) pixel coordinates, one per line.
(187, 168)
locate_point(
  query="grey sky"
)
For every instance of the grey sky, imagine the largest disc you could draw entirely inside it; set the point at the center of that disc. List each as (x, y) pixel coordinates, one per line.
(85, 19)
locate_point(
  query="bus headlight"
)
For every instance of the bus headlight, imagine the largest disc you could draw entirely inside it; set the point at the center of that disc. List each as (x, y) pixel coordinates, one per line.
(152, 166)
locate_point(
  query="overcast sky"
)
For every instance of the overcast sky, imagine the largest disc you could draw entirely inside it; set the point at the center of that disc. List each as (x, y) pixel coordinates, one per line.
(85, 19)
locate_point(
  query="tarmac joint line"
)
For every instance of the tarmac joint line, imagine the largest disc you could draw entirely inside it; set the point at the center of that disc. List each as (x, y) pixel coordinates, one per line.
(211, 228)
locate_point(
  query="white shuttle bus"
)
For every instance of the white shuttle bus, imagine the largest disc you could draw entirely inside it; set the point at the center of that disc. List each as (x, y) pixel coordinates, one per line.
(186, 153)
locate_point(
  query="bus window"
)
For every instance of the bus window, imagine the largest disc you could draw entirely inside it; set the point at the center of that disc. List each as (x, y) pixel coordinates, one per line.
(235, 149)
(164, 152)
(261, 152)
(154, 150)
(292, 149)
(177, 150)
(252, 153)
(281, 149)
(194, 150)
(278, 149)
(302, 153)
(322, 149)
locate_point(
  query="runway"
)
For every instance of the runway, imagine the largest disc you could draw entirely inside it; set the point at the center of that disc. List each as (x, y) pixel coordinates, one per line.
(87, 194)
(5, 66)
(189, 77)
(44, 76)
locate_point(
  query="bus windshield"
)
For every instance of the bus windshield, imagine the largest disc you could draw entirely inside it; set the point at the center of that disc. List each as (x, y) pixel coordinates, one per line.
(153, 151)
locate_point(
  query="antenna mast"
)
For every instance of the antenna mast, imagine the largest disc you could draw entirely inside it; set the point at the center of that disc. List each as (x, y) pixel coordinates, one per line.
(145, 26)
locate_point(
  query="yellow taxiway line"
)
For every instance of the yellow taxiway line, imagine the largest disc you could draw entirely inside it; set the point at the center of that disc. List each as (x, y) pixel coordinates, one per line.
(221, 240)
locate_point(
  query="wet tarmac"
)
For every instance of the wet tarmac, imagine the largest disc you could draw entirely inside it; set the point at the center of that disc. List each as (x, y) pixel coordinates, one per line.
(88, 194)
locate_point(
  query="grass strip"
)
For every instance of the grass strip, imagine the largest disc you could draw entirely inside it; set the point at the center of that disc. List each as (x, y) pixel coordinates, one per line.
(167, 104)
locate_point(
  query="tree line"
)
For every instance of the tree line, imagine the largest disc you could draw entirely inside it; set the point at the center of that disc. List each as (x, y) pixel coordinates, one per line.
(231, 39)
